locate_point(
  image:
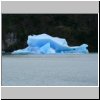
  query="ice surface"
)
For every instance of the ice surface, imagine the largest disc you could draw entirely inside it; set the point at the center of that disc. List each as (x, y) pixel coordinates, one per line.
(46, 44)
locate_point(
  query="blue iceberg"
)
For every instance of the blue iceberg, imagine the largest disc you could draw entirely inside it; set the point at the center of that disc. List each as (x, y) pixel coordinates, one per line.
(46, 44)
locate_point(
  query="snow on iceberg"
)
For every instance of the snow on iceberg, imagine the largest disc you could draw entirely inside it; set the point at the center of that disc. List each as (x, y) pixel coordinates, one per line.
(46, 44)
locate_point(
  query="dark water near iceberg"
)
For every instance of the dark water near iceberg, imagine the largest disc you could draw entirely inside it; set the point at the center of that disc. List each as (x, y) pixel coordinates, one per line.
(50, 70)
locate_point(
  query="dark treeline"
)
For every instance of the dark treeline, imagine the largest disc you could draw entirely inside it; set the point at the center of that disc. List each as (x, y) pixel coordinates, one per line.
(75, 28)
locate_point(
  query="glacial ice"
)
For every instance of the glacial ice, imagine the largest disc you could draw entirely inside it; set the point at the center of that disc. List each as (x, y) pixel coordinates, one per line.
(46, 44)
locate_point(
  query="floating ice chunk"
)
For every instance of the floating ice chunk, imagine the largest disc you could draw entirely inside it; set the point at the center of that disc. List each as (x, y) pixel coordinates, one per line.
(46, 44)
(78, 49)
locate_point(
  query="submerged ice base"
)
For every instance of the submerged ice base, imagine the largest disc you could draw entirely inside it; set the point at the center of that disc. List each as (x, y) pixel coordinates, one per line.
(46, 44)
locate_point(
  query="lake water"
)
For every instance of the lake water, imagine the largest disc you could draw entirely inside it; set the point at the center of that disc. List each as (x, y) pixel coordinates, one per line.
(50, 70)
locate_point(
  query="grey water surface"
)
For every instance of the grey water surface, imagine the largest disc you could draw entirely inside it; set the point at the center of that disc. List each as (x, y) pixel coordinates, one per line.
(50, 70)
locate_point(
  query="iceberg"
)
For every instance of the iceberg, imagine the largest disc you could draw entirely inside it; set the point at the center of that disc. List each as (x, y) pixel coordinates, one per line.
(46, 44)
